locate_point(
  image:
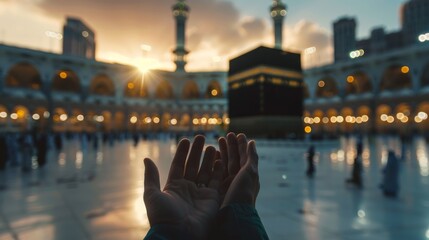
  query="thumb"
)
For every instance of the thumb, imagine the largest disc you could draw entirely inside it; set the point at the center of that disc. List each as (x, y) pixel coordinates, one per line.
(151, 178)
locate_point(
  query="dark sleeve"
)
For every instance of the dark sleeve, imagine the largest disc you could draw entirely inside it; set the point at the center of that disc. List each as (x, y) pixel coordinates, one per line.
(239, 221)
(167, 232)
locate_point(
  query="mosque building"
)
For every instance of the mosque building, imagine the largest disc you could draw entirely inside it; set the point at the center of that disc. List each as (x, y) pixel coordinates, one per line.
(379, 84)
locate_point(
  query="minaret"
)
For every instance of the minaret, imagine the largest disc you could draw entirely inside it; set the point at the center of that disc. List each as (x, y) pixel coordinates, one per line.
(278, 13)
(180, 13)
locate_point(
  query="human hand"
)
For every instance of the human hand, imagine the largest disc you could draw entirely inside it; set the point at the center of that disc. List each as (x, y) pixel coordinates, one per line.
(241, 178)
(182, 202)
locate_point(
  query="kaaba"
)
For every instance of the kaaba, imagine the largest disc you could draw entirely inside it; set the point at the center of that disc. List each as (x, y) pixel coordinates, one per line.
(265, 94)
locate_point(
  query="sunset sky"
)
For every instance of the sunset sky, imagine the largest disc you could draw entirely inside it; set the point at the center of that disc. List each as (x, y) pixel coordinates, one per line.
(216, 30)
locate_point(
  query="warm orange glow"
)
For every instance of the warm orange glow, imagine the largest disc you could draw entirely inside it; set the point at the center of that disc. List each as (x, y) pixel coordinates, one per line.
(130, 85)
(405, 69)
(350, 79)
(214, 92)
(63, 75)
(307, 129)
(156, 120)
(321, 83)
(20, 113)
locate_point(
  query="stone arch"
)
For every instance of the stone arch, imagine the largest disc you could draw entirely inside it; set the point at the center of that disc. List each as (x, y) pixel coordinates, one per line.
(424, 82)
(396, 77)
(190, 90)
(358, 83)
(164, 90)
(66, 81)
(136, 87)
(326, 88)
(214, 90)
(23, 75)
(102, 85)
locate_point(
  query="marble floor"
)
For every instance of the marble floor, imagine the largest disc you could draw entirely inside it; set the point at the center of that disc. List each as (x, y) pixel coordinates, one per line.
(97, 194)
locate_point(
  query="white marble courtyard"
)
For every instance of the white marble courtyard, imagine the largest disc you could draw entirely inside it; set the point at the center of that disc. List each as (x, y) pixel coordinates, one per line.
(97, 194)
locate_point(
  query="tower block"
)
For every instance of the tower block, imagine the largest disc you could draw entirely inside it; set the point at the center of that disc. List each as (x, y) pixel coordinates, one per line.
(265, 94)
(278, 12)
(180, 14)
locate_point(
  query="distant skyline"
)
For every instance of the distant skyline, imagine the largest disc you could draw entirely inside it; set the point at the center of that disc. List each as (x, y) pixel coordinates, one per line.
(216, 30)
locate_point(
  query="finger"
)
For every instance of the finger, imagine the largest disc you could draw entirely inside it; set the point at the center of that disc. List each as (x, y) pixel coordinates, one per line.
(205, 172)
(253, 156)
(233, 155)
(223, 147)
(194, 158)
(217, 155)
(151, 178)
(217, 175)
(178, 163)
(242, 148)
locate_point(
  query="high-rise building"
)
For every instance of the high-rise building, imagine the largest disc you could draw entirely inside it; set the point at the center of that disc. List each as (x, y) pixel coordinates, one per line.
(344, 38)
(415, 20)
(79, 39)
(180, 13)
(278, 13)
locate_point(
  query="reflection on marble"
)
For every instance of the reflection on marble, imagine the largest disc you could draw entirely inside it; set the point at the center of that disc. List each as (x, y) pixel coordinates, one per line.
(87, 193)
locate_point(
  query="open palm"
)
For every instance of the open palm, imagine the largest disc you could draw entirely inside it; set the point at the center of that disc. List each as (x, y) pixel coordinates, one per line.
(190, 198)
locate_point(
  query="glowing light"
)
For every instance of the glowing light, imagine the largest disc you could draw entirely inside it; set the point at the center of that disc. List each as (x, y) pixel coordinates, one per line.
(310, 50)
(325, 120)
(133, 119)
(148, 120)
(340, 119)
(195, 121)
(283, 13)
(383, 117)
(349, 119)
(361, 213)
(333, 119)
(400, 115)
(214, 92)
(365, 118)
(405, 69)
(14, 116)
(359, 120)
(80, 117)
(307, 120)
(85, 34)
(423, 115)
(21, 113)
(227, 121)
(55, 35)
(203, 120)
(357, 53)
(390, 119)
(63, 75)
(46, 114)
(350, 79)
(417, 119)
(63, 117)
(3, 114)
(156, 120)
(316, 120)
(36, 116)
(99, 118)
(404, 119)
(130, 85)
(307, 129)
(321, 83)
(173, 121)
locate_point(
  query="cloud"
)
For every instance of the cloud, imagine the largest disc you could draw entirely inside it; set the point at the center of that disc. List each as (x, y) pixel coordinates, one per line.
(216, 30)
(306, 34)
